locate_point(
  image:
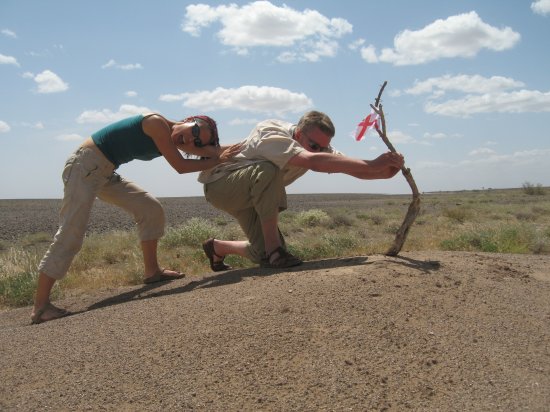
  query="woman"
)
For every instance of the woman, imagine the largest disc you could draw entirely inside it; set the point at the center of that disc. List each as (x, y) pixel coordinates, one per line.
(90, 173)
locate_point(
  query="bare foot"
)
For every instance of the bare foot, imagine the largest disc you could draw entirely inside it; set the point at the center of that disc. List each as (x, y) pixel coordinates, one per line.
(47, 312)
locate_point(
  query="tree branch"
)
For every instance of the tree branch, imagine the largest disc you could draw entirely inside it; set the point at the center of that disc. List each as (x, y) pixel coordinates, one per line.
(414, 206)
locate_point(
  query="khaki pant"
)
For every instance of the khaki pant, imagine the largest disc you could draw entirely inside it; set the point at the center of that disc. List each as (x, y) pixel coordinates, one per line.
(250, 195)
(87, 175)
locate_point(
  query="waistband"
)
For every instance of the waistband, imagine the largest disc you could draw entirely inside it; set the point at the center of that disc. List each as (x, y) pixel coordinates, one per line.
(89, 144)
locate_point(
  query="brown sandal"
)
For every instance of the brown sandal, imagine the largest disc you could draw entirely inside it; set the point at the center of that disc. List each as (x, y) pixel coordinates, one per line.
(208, 248)
(160, 276)
(284, 260)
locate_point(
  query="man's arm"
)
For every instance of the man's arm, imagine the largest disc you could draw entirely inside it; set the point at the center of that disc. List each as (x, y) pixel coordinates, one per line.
(384, 166)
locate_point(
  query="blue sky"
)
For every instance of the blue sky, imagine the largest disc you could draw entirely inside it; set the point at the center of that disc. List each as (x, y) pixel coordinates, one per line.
(467, 101)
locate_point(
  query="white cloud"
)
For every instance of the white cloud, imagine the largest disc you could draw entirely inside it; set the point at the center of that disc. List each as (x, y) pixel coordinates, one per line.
(514, 102)
(541, 7)
(172, 97)
(131, 93)
(69, 137)
(4, 127)
(483, 95)
(8, 60)
(259, 99)
(463, 35)
(9, 33)
(356, 44)
(436, 136)
(514, 159)
(397, 136)
(48, 82)
(463, 83)
(369, 54)
(308, 34)
(238, 122)
(482, 151)
(113, 63)
(37, 126)
(108, 116)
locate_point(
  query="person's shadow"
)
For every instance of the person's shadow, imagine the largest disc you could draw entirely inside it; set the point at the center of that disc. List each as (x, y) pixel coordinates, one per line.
(237, 275)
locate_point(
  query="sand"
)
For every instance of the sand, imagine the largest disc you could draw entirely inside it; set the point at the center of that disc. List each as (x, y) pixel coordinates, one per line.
(422, 331)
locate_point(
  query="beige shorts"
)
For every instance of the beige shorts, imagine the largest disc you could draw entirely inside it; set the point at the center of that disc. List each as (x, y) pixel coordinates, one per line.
(87, 175)
(251, 195)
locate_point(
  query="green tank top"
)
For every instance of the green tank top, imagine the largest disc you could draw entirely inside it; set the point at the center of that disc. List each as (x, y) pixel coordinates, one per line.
(124, 141)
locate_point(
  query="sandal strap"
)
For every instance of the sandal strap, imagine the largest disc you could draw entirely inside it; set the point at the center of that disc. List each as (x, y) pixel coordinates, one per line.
(279, 250)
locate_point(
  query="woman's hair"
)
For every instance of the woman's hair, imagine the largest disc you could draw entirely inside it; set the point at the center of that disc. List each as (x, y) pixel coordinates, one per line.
(316, 119)
(203, 120)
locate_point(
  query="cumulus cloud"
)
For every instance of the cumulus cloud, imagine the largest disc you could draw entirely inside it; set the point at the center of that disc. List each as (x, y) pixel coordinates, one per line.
(8, 60)
(436, 136)
(519, 158)
(482, 95)
(521, 101)
(437, 86)
(113, 64)
(259, 99)
(541, 7)
(48, 82)
(463, 35)
(239, 122)
(482, 151)
(108, 116)
(4, 127)
(131, 93)
(9, 33)
(307, 35)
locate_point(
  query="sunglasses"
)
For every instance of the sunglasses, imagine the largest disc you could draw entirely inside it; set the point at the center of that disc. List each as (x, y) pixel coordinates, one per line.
(316, 147)
(196, 132)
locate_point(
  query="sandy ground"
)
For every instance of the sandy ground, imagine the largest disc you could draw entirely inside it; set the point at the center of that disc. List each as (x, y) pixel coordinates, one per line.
(422, 331)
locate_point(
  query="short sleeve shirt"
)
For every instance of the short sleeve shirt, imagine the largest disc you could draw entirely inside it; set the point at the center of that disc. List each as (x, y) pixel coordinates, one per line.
(270, 140)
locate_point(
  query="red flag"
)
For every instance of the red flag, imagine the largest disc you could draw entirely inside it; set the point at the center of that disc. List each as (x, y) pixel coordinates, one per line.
(369, 121)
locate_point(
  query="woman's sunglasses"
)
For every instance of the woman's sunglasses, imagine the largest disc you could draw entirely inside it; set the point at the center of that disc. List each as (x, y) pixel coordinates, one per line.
(196, 132)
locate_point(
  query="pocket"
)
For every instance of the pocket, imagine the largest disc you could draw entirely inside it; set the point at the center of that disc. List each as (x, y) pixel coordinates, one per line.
(89, 165)
(67, 169)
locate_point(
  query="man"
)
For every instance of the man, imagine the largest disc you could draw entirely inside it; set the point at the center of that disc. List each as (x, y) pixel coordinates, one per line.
(251, 188)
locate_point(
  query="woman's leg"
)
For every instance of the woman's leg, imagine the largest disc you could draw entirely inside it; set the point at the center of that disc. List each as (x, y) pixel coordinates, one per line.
(81, 178)
(149, 217)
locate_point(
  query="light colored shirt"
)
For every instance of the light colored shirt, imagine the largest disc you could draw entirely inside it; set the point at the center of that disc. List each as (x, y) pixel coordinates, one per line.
(270, 140)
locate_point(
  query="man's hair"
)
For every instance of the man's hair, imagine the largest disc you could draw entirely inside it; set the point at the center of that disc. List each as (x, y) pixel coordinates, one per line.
(314, 119)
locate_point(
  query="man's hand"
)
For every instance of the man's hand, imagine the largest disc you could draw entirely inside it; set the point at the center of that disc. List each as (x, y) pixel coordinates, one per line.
(230, 152)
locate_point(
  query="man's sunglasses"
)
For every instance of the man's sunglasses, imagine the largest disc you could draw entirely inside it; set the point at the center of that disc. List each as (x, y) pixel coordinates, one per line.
(315, 146)
(196, 132)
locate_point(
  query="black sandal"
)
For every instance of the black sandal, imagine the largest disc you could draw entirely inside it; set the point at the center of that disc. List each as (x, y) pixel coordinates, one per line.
(208, 248)
(284, 260)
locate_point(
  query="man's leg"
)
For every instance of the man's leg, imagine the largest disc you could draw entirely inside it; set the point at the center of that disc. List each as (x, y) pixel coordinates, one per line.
(254, 196)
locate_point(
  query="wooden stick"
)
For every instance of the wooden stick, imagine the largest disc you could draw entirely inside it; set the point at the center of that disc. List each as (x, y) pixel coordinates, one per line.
(414, 207)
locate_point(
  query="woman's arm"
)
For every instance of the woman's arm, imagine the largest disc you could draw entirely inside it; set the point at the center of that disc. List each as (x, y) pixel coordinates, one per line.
(384, 166)
(158, 128)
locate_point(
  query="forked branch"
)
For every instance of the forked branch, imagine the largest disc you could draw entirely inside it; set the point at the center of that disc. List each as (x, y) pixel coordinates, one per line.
(414, 207)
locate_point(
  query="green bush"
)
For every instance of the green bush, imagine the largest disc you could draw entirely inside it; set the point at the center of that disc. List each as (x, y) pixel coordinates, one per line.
(531, 189)
(503, 239)
(192, 233)
(313, 217)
